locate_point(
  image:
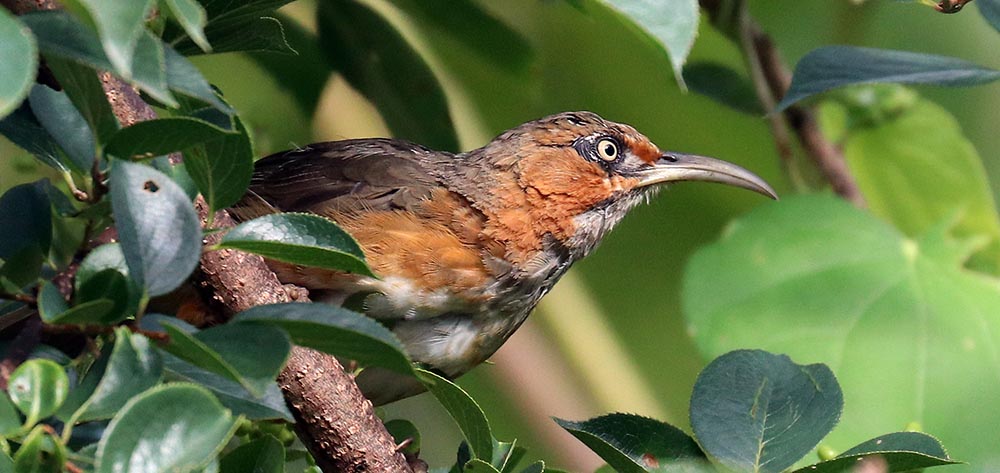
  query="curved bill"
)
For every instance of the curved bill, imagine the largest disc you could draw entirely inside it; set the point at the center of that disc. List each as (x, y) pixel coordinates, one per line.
(673, 167)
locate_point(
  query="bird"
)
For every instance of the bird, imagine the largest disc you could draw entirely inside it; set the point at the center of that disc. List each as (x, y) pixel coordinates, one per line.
(466, 244)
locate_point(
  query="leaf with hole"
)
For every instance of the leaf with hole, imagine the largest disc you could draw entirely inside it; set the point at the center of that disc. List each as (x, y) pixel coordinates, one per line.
(632, 443)
(18, 62)
(183, 419)
(158, 229)
(299, 238)
(334, 330)
(830, 67)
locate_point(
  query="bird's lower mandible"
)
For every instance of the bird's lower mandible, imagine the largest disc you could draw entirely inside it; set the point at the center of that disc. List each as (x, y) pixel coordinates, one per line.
(465, 245)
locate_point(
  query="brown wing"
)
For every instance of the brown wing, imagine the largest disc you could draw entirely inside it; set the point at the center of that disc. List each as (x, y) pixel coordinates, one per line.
(340, 177)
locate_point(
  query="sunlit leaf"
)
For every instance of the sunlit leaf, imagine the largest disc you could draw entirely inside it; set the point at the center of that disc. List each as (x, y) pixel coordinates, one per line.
(674, 25)
(18, 62)
(38, 387)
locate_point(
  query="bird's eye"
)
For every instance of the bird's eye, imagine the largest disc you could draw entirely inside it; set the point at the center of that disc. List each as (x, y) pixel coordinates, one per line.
(607, 149)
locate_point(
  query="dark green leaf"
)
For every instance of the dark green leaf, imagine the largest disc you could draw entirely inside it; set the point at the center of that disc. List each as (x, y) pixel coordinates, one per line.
(336, 331)
(632, 443)
(162, 136)
(191, 16)
(235, 397)
(26, 218)
(264, 455)
(65, 125)
(223, 350)
(108, 285)
(109, 257)
(723, 85)
(299, 238)
(54, 310)
(185, 79)
(157, 226)
(184, 420)
(247, 26)
(150, 69)
(403, 430)
(465, 411)
(38, 387)
(901, 451)
(134, 366)
(24, 130)
(477, 465)
(18, 62)
(753, 410)
(40, 452)
(222, 168)
(120, 25)
(84, 89)
(990, 9)
(537, 467)
(830, 67)
(378, 61)
(673, 25)
(304, 75)
(10, 420)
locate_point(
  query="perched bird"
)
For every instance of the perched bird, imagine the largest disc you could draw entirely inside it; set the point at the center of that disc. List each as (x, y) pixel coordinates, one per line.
(466, 244)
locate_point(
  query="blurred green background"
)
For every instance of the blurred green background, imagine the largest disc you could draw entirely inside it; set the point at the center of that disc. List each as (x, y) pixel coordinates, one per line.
(598, 63)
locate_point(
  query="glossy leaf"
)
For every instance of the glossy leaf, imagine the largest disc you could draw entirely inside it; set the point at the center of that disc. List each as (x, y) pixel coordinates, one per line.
(133, 367)
(632, 443)
(38, 387)
(67, 127)
(184, 420)
(901, 451)
(247, 26)
(378, 61)
(120, 25)
(162, 136)
(192, 17)
(900, 166)
(298, 238)
(830, 67)
(27, 219)
(222, 168)
(821, 281)
(755, 411)
(674, 25)
(157, 226)
(84, 89)
(223, 350)
(18, 62)
(465, 411)
(334, 330)
(264, 455)
(40, 452)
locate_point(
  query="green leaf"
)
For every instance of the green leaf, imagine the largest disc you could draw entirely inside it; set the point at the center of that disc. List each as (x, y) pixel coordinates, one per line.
(674, 25)
(822, 281)
(18, 62)
(899, 168)
(477, 465)
(162, 136)
(54, 310)
(184, 420)
(40, 452)
(191, 16)
(830, 67)
(304, 75)
(185, 79)
(247, 26)
(902, 451)
(403, 430)
(723, 85)
(222, 168)
(26, 216)
(632, 443)
(270, 406)
(223, 350)
(10, 420)
(120, 25)
(6, 463)
(264, 455)
(378, 61)
(38, 387)
(755, 411)
(299, 238)
(67, 127)
(157, 226)
(84, 89)
(23, 129)
(334, 330)
(465, 411)
(109, 257)
(133, 367)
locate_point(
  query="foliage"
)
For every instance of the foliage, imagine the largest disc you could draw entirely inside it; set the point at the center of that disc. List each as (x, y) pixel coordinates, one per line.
(898, 302)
